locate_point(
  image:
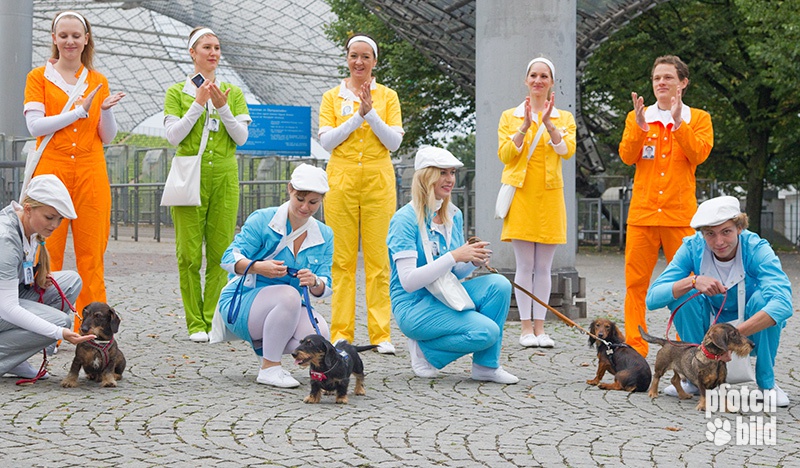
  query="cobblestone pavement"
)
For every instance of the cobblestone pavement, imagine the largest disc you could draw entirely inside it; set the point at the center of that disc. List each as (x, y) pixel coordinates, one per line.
(187, 404)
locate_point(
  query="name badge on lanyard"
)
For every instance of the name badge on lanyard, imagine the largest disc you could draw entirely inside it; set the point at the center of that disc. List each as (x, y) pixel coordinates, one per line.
(27, 272)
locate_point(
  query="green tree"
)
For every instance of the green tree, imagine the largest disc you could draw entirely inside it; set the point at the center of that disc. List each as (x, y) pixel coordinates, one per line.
(433, 106)
(744, 69)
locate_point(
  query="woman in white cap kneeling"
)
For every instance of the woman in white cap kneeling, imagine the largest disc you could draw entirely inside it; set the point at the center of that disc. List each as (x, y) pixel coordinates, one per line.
(32, 313)
(279, 250)
(426, 247)
(729, 266)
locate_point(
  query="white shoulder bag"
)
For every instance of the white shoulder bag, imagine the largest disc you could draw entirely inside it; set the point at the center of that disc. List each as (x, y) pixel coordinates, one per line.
(34, 156)
(182, 187)
(740, 368)
(447, 288)
(219, 331)
(506, 193)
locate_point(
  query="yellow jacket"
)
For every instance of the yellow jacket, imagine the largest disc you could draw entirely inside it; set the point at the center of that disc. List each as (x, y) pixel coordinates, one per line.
(517, 161)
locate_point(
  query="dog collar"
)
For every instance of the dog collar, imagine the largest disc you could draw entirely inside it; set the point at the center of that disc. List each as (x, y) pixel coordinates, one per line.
(318, 376)
(709, 354)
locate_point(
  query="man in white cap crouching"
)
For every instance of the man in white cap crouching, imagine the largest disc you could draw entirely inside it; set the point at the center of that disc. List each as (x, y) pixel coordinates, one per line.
(732, 268)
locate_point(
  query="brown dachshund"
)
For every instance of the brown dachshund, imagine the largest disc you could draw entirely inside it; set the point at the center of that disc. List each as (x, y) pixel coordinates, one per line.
(631, 371)
(100, 358)
(701, 365)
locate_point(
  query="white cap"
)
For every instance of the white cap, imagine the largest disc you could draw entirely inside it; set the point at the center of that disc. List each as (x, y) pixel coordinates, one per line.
(49, 190)
(310, 178)
(715, 212)
(546, 62)
(431, 156)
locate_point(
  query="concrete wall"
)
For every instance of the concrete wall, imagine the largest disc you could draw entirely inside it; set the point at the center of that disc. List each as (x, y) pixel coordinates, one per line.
(16, 23)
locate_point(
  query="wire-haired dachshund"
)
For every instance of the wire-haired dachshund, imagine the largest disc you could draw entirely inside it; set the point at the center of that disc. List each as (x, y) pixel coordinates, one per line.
(330, 367)
(631, 371)
(703, 364)
(100, 358)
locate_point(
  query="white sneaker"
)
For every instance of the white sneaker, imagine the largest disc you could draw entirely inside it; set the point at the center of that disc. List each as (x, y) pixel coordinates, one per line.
(26, 371)
(688, 387)
(488, 374)
(276, 377)
(529, 341)
(420, 365)
(780, 397)
(385, 347)
(545, 341)
(199, 337)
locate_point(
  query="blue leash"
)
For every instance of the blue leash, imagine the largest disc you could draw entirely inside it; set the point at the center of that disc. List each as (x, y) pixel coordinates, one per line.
(233, 310)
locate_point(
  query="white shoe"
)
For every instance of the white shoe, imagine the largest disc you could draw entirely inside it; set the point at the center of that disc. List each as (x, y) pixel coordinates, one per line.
(276, 377)
(488, 374)
(780, 397)
(420, 365)
(529, 341)
(688, 387)
(545, 341)
(199, 337)
(26, 371)
(385, 347)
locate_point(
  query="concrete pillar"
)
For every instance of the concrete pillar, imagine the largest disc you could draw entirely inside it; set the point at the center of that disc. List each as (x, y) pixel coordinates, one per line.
(16, 24)
(508, 35)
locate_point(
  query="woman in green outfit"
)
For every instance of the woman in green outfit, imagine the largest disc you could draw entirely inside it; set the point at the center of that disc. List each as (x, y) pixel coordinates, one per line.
(189, 106)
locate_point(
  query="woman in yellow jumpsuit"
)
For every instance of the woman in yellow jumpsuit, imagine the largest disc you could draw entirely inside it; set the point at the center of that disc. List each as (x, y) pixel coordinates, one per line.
(75, 151)
(360, 123)
(537, 219)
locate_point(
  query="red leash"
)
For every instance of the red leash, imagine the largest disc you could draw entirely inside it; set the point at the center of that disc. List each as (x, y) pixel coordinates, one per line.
(683, 343)
(43, 367)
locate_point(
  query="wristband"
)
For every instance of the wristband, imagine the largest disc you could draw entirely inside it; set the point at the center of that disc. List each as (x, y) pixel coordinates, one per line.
(694, 280)
(520, 131)
(316, 281)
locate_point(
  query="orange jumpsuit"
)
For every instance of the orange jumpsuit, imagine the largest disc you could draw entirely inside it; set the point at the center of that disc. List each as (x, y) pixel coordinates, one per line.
(75, 155)
(663, 200)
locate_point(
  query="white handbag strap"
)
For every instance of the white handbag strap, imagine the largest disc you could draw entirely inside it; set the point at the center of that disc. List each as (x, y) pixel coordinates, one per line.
(287, 240)
(426, 247)
(204, 138)
(536, 140)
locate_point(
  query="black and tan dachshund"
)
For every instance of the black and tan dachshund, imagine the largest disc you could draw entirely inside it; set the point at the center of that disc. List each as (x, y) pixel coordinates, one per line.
(331, 367)
(100, 358)
(631, 371)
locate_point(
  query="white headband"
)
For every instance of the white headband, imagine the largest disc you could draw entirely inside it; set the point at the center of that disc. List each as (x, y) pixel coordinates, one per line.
(544, 61)
(70, 13)
(197, 35)
(364, 39)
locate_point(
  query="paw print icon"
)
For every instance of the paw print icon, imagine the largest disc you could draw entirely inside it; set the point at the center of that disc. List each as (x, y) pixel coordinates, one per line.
(718, 431)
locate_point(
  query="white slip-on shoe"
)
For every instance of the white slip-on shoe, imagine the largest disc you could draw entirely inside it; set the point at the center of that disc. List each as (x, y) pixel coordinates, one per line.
(276, 377)
(199, 337)
(529, 341)
(780, 397)
(688, 387)
(545, 341)
(26, 371)
(385, 347)
(420, 365)
(497, 375)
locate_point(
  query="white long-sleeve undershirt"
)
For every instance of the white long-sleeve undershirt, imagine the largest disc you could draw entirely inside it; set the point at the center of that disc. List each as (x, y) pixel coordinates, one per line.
(179, 128)
(390, 137)
(413, 278)
(39, 125)
(12, 312)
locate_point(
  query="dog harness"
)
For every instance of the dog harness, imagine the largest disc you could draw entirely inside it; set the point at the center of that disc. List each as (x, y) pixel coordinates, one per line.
(322, 376)
(103, 348)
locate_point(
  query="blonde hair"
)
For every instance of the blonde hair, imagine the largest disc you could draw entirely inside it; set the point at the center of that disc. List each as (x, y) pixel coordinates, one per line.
(44, 257)
(87, 56)
(423, 198)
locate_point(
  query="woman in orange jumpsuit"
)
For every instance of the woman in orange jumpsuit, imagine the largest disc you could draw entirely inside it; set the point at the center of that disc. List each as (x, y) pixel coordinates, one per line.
(75, 151)
(666, 142)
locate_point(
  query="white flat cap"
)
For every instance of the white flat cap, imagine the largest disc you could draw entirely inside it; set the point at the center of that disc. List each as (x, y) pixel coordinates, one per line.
(310, 178)
(715, 211)
(431, 156)
(49, 189)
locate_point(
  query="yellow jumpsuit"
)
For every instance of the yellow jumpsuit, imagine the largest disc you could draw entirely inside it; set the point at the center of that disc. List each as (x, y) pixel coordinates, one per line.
(362, 193)
(663, 200)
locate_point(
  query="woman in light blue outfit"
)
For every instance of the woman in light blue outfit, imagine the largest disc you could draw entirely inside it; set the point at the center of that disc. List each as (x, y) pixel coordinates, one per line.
(437, 334)
(285, 249)
(721, 259)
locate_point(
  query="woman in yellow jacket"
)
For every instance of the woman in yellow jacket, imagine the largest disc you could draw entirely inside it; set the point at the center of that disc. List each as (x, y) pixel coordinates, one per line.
(537, 219)
(360, 123)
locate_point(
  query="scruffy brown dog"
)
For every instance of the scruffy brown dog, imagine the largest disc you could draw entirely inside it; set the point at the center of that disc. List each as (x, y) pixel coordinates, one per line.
(700, 365)
(330, 367)
(631, 371)
(100, 358)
